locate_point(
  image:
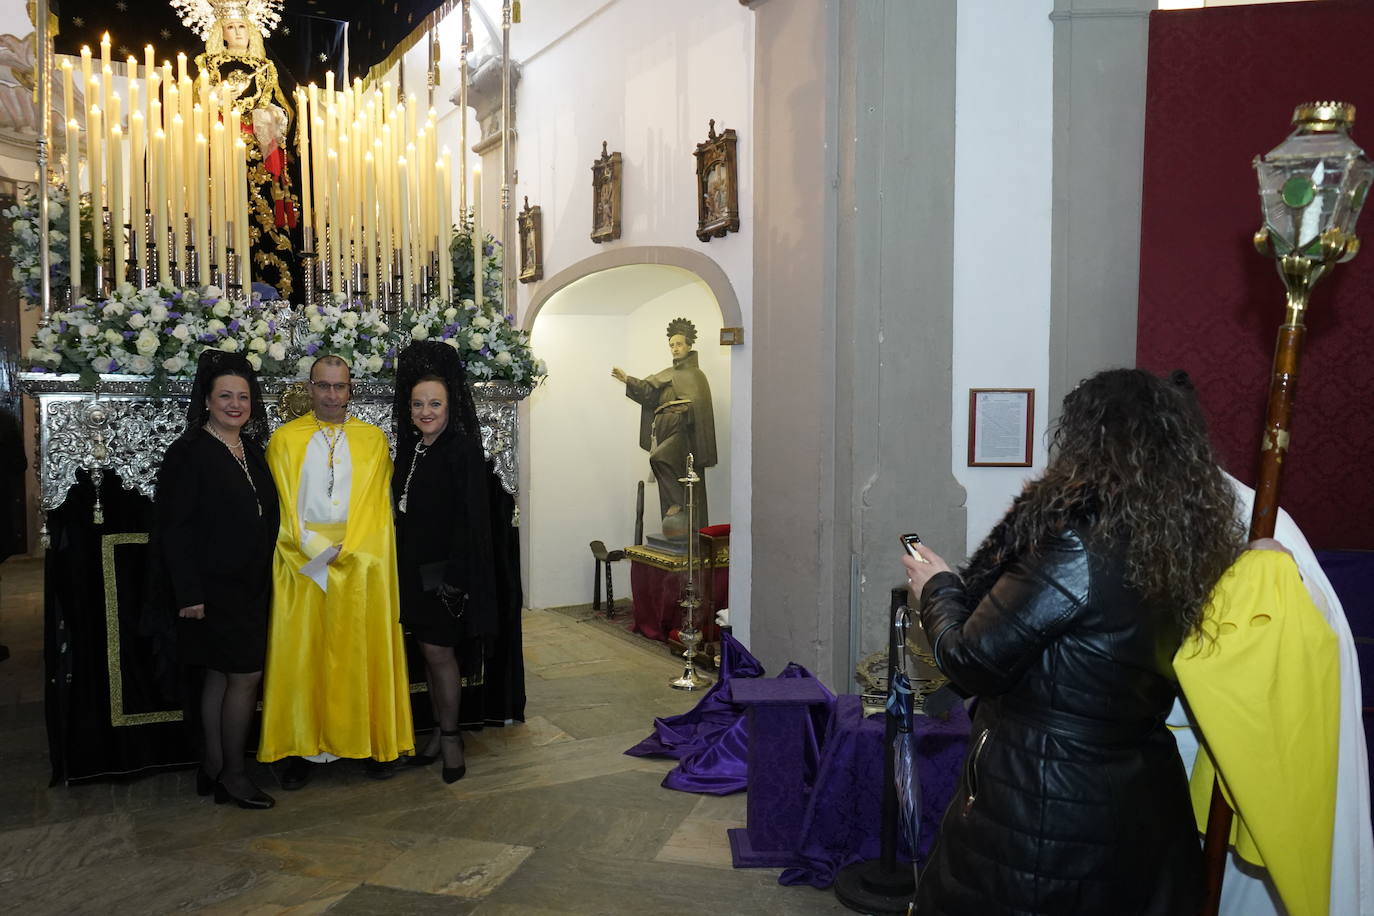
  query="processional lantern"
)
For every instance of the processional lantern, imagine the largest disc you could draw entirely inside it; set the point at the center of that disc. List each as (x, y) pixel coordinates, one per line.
(1312, 187)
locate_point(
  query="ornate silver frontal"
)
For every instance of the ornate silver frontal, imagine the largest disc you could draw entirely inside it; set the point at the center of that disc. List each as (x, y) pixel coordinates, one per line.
(125, 425)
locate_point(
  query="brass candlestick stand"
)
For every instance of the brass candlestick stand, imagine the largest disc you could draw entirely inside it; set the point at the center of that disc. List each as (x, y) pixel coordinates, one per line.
(689, 635)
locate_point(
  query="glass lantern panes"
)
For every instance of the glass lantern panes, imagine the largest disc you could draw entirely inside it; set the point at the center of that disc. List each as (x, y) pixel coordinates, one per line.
(1315, 179)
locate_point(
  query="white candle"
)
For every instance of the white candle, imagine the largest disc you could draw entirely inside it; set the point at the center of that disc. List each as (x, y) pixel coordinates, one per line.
(138, 205)
(446, 230)
(117, 201)
(95, 167)
(202, 173)
(241, 188)
(74, 201)
(158, 162)
(335, 236)
(407, 267)
(369, 217)
(68, 106)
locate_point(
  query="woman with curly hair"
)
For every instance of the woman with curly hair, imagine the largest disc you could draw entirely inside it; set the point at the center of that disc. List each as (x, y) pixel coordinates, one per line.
(1064, 625)
(443, 537)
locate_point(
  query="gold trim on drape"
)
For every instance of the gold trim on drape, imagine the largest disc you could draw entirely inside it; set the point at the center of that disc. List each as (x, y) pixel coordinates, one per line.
(118, 717)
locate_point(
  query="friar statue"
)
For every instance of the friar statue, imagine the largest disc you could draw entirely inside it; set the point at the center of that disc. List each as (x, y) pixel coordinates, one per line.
(676, 420)
(236, 61)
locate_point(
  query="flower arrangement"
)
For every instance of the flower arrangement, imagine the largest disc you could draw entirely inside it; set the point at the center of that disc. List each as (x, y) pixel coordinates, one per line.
(157, 332)
(354, 331)
(460, 251)
(24, 246)
(491, 346)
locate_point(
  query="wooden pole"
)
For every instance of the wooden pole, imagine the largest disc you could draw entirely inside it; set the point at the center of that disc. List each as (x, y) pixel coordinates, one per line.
(1299, 275)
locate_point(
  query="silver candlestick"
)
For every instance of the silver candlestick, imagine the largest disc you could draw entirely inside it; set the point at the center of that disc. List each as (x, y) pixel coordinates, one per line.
(689, 635)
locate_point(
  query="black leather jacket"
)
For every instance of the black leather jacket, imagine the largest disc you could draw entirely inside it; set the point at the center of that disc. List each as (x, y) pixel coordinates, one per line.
(1073, 797)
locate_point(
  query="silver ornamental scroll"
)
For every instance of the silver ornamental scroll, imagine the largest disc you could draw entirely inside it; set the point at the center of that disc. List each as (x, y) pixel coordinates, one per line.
(126, 424)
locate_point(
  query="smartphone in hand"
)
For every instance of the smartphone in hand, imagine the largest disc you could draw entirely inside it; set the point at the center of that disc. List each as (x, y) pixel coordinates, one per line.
(909, 542)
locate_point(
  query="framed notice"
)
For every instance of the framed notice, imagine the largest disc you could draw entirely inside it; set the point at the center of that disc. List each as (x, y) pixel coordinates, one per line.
(1000, 423)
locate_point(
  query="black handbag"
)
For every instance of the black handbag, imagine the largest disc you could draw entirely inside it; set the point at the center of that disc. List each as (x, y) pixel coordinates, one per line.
(432, 581)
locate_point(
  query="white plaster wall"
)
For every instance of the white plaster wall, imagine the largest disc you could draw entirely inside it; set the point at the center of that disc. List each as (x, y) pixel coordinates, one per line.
(583, 435)
(646, 76)
(1002, 207)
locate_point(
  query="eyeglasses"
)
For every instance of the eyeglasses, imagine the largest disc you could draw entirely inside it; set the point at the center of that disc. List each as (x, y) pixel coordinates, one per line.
(336, 387)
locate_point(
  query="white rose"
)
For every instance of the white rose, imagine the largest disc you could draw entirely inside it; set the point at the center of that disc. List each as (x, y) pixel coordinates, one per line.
(221, 309)
(260, 328)
(450, 313)
(174, 364)
(257, 345)
(137, 320)
(452, 342)
(419, 332)
(213, 325)
(475, 341)
(316, 324)
(141, 365)
(104, 364)
(503, 358)
(255, 361)
(469, 304)
(87, 329)
(374, 363)
(181, 332)
(113, 336)
(349, 319)
(277, 351)
(303, 365)
(481, 321)
(158, 312)
(229, 345)
(213, 291)
(147, 343)
(112, 309)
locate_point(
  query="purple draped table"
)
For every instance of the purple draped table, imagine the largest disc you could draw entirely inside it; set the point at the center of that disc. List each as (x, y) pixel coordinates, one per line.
(845, 808)
(843, 772)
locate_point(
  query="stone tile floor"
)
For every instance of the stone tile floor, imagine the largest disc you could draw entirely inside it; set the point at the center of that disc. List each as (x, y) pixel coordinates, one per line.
(551, 818)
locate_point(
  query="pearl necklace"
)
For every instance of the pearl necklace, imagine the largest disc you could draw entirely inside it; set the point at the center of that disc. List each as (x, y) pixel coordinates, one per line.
(241, 459)
(420, 449)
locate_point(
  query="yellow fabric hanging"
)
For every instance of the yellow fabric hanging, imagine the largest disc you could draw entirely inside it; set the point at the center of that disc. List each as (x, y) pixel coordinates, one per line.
(335, 679)
(1263, 684)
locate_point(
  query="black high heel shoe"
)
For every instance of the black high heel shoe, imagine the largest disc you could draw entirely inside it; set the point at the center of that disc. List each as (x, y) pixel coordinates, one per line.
(260, 800)
(420, 760)
(205, 783)
(453, 774)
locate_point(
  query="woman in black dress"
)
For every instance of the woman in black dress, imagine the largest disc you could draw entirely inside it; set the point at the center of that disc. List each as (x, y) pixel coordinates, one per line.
(443, 548)
(216, 528)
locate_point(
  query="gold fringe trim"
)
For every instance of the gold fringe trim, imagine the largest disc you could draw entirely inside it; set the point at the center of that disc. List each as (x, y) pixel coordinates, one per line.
(378, 71)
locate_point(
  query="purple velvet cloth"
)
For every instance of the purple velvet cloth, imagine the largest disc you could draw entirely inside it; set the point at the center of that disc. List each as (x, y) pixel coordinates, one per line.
(710, 741)
(845, 810)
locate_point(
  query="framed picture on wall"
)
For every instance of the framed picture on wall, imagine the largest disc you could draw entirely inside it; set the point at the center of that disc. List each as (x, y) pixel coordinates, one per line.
(1001, 422)
(606, 196)
(717, 185)
(531, 244)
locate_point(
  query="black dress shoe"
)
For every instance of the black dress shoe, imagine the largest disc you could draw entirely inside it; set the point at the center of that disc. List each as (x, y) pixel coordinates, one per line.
(296, 774)
(380, 769)
(259, 800)
(419, 760)
(205, 783)
(453, 774)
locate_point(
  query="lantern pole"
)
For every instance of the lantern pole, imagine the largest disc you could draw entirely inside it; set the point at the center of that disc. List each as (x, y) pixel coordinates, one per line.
(1300, 267)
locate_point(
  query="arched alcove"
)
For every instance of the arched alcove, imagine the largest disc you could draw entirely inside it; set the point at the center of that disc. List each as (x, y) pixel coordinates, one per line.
(581, 438)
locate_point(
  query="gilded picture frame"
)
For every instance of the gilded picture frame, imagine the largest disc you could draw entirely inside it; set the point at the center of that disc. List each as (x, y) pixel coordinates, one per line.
(606, 196)
(717, 185)
(531, 243)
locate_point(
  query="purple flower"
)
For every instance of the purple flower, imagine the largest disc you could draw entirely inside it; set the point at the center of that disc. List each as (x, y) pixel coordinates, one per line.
(207, 338)
(386, 362)
(234, 325)
(272, 325)
(364, 336)
(172, 314)
(311, 349)
(62, 327)
(129, 335)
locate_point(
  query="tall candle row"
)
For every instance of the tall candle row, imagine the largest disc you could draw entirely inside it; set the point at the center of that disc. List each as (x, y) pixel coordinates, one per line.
(179, 155)
(375, 185)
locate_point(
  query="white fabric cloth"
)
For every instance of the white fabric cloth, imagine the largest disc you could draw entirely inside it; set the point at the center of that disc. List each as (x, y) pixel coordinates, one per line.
(1246, 889)
(316, 503)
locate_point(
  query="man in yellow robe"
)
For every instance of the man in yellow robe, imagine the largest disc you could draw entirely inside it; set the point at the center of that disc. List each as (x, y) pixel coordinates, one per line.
(335, 683)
